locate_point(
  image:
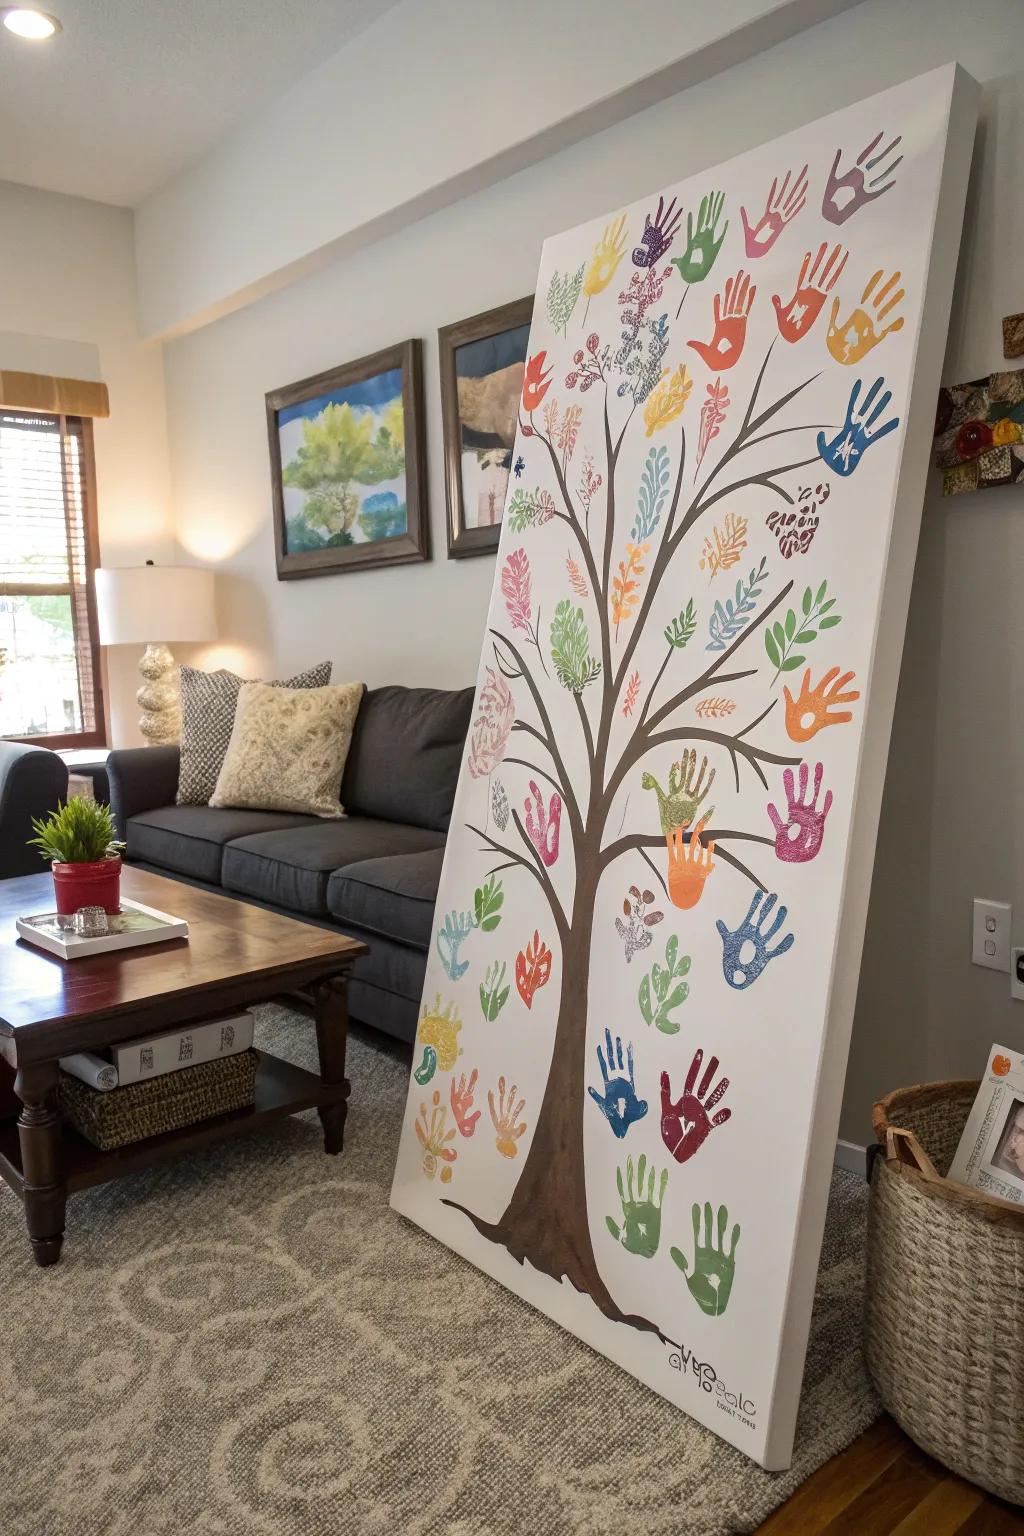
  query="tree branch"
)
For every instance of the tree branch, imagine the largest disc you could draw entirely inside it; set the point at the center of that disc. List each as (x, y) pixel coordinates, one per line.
(541, 773)
(549, 739)
(643, 840)
(588, 735)
(514, 858)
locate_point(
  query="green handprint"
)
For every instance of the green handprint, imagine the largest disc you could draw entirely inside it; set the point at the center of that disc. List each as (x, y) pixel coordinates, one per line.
(703, 243)
(493, 992)
(714, 1269)
(641, 1218)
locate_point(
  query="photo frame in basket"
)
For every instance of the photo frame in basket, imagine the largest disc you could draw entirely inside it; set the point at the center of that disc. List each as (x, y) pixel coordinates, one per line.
(990, 1157)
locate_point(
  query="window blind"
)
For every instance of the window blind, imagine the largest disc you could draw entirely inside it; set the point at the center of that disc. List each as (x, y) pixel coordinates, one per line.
(47, 682)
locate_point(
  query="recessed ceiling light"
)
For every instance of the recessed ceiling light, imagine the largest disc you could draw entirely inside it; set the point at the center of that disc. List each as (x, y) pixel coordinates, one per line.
(35, 25)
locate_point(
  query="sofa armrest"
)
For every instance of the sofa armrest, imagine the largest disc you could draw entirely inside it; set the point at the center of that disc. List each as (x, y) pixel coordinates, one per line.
(141, 779)
(32, 783)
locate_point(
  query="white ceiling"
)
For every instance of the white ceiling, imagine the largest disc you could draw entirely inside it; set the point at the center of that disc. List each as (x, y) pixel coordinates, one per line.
(134, 90)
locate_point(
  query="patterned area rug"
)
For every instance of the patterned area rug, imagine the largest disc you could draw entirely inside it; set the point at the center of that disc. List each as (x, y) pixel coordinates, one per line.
(250, 1343)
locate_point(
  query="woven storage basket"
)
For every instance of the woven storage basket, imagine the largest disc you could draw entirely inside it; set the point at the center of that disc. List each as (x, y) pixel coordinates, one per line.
(944, 1319)
(165, 1103)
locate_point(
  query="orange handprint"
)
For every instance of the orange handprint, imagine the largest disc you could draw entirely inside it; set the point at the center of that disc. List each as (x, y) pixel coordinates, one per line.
(849, 342)
(731, 311)
(505, 1117)
(689, 865)
(536, 381)
(434, 1139)
(796, 318)
(462, 1102)
(814, 708)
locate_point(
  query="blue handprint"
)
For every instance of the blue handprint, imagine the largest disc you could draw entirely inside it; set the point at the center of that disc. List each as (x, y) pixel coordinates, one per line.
(740, 972)
(846, 449)
(620, 1105)
(451, 935)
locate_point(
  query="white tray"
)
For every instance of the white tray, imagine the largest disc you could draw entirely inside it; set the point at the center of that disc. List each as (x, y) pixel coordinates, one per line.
(143, 925)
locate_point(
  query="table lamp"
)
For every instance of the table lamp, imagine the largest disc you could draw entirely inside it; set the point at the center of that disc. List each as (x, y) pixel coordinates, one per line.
(150, 605)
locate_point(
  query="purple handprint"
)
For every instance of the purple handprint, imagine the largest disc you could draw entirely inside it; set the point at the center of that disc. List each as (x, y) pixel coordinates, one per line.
(845, 451)
(846, 193)
(657, 236)
(741, 972)
(543, 828)
(619, 1103)
(798, 839)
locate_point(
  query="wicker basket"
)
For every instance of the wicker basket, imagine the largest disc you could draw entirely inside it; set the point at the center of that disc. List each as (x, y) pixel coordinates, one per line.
(944, 1321)
(166, 1103)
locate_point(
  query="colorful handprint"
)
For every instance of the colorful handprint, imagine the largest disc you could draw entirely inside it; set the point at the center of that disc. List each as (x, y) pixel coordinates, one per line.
(686, 791)
(434, 1138)
(703, 243)
(640, 1230)
(844, 451)
(505, 1117)
(714, 1269)
(687, 1124)
(796, 318)
(731, 309)
(814, 708)
(847, 192)
(798, 837)
(608, 252)
(851, 340)
(461, 1095)
(740, 968)
(536, 381)
(543, 825)
(619, 1103)
(658, 234)
(781, 206)
(689, 865)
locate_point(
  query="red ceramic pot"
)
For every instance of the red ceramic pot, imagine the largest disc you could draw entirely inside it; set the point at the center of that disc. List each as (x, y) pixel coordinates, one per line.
(88, 885)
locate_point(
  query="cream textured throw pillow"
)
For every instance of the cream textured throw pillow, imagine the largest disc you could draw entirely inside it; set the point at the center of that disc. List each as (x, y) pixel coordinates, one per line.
(288, 749)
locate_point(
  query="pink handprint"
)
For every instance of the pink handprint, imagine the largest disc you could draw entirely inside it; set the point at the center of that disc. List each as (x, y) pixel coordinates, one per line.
(846, 193)
(796, 318)
(798, 839)
(543, 828)
(782, 204)
(686, 1125)
(462, 1102)
(731, 311)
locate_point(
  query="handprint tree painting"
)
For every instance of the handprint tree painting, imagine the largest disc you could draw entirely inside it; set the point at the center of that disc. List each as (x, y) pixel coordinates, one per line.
(632, 1045)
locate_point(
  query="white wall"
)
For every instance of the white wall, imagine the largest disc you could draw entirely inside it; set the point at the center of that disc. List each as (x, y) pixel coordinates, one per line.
(67, 300)
(951, 826)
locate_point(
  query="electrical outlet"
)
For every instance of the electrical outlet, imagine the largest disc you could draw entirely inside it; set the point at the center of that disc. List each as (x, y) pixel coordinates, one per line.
(991, 934)
(1017, 974)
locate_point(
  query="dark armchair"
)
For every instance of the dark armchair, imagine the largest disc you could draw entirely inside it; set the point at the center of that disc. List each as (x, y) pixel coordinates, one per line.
(32, 781)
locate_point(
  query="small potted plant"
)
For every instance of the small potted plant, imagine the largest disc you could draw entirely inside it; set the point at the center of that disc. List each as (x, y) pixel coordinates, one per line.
(80, 840)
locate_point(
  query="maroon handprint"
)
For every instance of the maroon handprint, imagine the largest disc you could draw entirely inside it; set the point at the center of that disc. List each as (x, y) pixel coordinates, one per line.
(796, 318)
(658, 235)
(782, 204)
(543, 828)
(731, 311)
(798, 839)
(685, 1126)
(846, 193)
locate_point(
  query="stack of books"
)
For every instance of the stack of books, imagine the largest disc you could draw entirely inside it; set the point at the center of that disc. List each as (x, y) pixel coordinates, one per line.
(154, 1055)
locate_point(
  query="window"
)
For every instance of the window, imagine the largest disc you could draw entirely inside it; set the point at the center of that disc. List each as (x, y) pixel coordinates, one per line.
(50, 689)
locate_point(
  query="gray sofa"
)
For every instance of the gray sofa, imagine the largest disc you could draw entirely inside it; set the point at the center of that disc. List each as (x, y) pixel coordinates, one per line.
(32, 783)
(374, 874)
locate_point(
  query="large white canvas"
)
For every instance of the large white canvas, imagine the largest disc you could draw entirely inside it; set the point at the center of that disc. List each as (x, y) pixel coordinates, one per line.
(758, 481)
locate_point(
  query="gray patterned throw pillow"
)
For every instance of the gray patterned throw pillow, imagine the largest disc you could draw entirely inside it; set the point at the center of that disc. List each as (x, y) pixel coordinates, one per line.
(208, 702)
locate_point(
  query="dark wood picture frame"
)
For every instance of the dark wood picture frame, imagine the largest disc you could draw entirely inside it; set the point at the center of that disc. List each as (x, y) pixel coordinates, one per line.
(402, 549)
(463, 541)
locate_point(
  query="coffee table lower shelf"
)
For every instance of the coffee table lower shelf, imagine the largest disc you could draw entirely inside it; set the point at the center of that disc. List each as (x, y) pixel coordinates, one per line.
(281, 1090)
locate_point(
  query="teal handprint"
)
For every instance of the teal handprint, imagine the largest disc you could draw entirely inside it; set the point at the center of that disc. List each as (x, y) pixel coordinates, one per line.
(640, 1231)
(451, 936)
(714, 1269)
(703, 243)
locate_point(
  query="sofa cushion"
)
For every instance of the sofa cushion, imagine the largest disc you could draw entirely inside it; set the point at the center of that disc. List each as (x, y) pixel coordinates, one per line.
(405, 755)
(189, 839)
(291, 868)
(392, 896)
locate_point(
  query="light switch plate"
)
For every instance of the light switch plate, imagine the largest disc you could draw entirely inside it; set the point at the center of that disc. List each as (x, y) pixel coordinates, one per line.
(991, 934)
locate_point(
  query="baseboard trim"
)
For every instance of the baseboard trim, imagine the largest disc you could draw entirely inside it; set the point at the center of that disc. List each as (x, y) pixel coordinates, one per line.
(852, 1156)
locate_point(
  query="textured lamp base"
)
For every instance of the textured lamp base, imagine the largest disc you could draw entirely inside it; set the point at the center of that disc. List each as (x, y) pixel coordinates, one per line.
(159, 698)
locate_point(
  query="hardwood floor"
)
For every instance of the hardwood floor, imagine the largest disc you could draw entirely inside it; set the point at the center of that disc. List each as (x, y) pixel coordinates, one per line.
(884, 1486)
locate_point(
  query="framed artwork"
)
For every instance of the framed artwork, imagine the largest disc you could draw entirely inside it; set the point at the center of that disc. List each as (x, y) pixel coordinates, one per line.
(637, 1007)
(482, 361)
(979, 433)
(347, 462)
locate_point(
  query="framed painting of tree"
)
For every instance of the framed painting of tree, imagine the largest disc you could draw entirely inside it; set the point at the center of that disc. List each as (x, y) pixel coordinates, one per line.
(348, 466)
(630, 1061)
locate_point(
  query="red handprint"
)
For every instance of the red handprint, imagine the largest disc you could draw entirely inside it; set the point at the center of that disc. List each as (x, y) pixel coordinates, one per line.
(796, 318)
(543, 828)
(462, 1102)
(685, 1126)
(782, 205)
(798, 839)
(536, 382)
(731, 312)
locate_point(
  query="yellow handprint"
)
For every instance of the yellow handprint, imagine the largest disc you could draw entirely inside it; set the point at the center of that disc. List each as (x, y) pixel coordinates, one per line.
(434, 1138)
(608, 252)
(505, 1117)
(852, 340)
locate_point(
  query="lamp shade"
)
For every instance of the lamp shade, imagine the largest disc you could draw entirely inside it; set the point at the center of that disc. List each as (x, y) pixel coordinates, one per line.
(146, 604)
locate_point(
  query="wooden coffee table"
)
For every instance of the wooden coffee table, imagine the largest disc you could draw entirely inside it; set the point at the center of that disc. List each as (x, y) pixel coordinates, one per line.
(235, 955)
